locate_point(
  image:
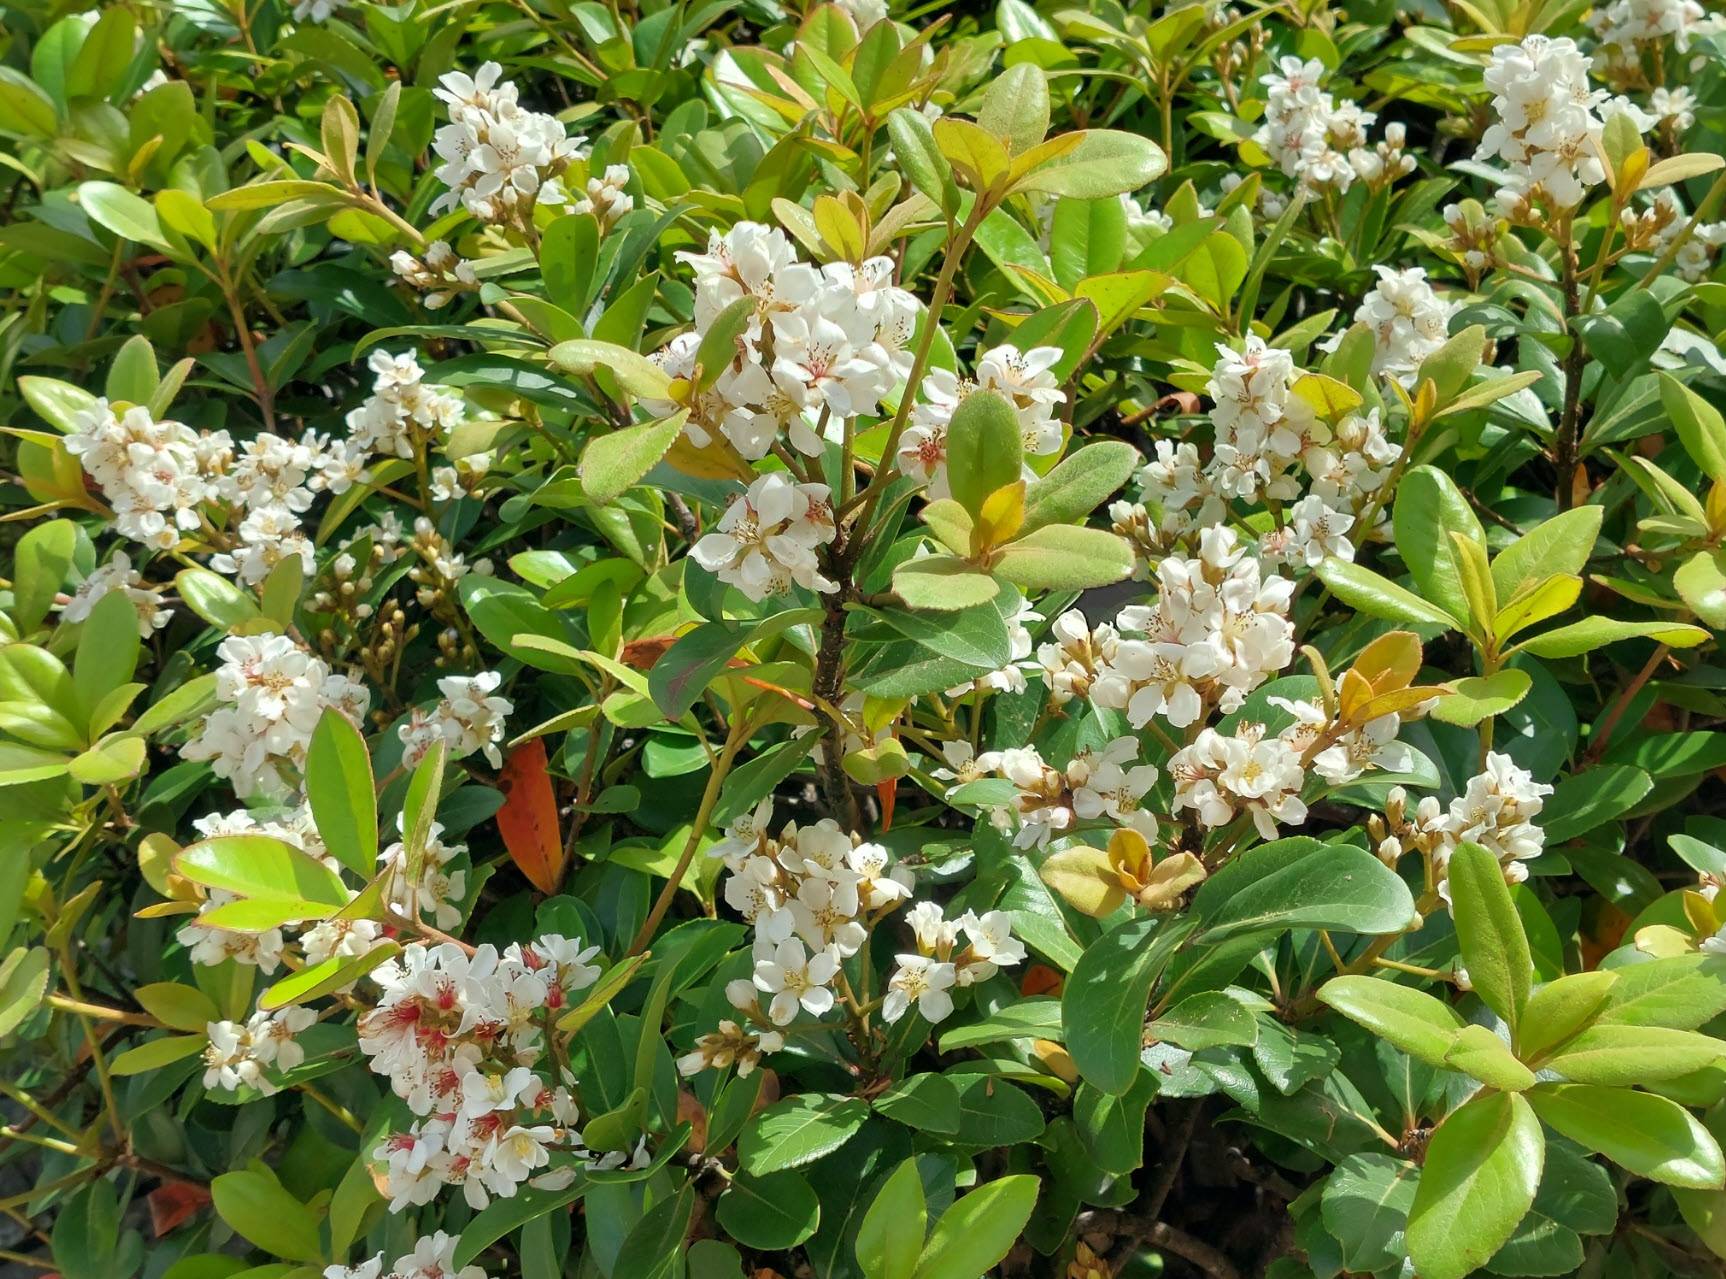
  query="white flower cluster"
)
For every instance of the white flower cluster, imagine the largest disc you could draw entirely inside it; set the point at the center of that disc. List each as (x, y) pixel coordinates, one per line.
(165, 482)
(469, 717)
(438, 893)
(1073, 660)
(155, 475)
(765, 541)
(1222, 774)
(1218, 630)
(1318, 140)
(439, 273)
(457, 1034)
(812, 896)
(433, 1257)
(1409, 321)
(1265, 434)
(1025, 379)
(273, 693)
(822, 343)
(1547, 130)
(1496, 810)
(239, 1054)
(499, 159)
(927, 976)
(119, 575)
(1105, 784)
(403, 409)
(1625, 28)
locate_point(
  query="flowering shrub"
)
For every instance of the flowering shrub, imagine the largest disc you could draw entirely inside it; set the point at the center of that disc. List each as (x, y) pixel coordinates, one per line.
(857, 641)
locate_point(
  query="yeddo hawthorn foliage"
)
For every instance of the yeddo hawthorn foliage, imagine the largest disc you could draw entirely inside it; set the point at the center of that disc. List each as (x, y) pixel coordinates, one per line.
(862, 640)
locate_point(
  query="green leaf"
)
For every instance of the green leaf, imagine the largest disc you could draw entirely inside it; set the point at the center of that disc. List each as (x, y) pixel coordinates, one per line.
(977, 1231)
(41, 560)
(1451, 366)
(1064, 557)
(1478, 1052)
(153, 1054)
(799, 1130)
(1586, 800)
(129, 216)
(108, 648)
(1103, 1003)
(1478, 697)
(1301, 883)
(1558, 546)
(1377, 596)
(697, 658)
(1365, 1206)
(1648, 1135)
(214, 598)
(1080, 483)
(257, 1207)
(1561, 1008)
(1209, 1019)
(890, 1238)
(611, 464)
(1623, 1055)
(1489, 932)
(918, 155)
(1597, 632)
(1015, 107)
(943, 583)
(773, 1212)
(1681, 992)
(259, 866)
(926, 1102)
(1701, 584)
(1086, 238)
(1412, 1020)
(182, 1007)
(1029, 1017)
(993, 1112)
(1428, 509)
(1478, 1181)
(985, 448)
(1101, 163)
(635, 373)
(314, 981)
(977, 635)
(340, 789)
(1700, 427)
(25, 111)
(23, 983)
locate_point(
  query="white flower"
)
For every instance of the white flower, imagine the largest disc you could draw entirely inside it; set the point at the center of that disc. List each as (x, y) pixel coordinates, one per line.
(155, 475)
(272, 694)
(1496, 810)
(469, 718)
(439, 892)
(796, 979)
(765, 542)
(1545, 128)
(1408, 321)
(433, 1257)
(499, 159)
(119, 575)
(403, 409)
(923, 981)
(1218, 776)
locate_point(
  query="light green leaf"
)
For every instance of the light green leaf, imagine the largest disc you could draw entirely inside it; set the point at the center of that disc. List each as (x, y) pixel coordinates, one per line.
(1481, 1171)
(1489, 932)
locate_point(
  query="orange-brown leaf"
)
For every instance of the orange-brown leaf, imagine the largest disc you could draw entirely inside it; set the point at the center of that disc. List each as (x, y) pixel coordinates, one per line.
(528, 818)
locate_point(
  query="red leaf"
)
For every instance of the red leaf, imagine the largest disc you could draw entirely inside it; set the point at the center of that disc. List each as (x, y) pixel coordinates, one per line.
(173, 1203)
(887, 792)
(528, 819)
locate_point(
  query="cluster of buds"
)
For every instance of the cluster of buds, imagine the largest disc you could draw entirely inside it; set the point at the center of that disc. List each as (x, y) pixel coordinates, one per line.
(1473, 240)
(440, 274)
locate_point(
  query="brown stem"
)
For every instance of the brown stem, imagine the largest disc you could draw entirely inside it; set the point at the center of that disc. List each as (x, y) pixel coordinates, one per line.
(1567, 442)
(829, 687)
(1597, 747)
